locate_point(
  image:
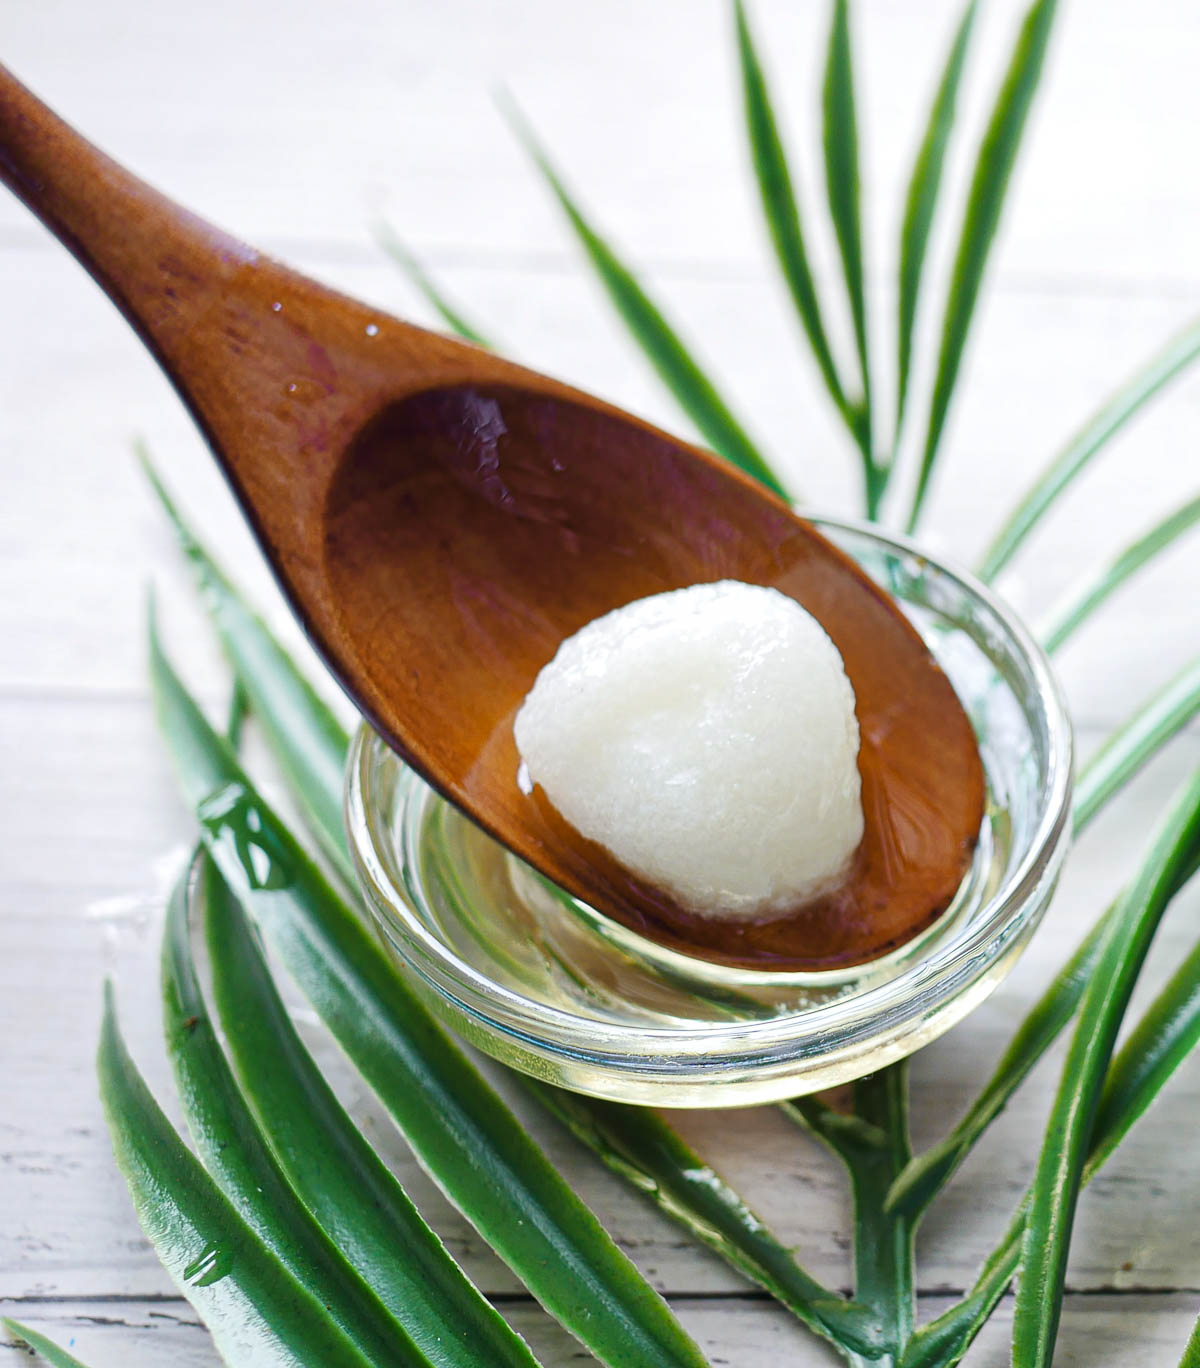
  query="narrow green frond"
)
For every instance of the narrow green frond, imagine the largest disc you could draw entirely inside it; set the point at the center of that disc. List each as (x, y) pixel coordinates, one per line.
(1135, 742)
(842, 184)
(1131, 746)
(1191, 1352)
(1074, 611)
(921, 1180)
(985, 203)
(636, 1144)
(58, 1358)
(350, 1192)
(920, 203)
(390, 242)
(943, 1342)
(238, 1157)
(456, 1124)
(302, 730)
(254, 1308)
(1059, 1174)
(781, 210)
(1163, 367)
(1157, 1046)
(883, 1237)
(1166, 1034)
(659, 341)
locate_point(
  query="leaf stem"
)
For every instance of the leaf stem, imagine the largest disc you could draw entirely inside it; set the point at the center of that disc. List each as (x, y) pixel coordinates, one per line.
(883, 1238)
(872, 1142)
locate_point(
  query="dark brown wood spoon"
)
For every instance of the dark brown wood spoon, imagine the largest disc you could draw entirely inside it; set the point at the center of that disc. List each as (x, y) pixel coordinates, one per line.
(440, 519)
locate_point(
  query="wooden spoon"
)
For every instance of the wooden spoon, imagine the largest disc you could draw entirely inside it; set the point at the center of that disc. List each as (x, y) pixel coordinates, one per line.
(440, 519)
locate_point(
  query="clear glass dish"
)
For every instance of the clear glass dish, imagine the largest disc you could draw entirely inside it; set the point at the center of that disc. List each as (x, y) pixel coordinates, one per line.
(550, 986)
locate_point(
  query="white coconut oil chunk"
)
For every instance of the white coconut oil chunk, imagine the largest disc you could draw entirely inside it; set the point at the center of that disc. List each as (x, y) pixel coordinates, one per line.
(707, 739)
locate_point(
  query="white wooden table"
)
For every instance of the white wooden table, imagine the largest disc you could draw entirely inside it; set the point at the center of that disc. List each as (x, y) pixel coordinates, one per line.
(291, 124)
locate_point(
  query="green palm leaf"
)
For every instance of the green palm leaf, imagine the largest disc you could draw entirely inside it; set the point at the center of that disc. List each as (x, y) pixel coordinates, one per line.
(1134, 743)
(1162, 1039)
(256, 1311)
(340, 1179)
(985, 202)
(921, 202)
(300, 727)
(781, 210)
(1130, 747)
(1064, 1151)
(455, 1123)
(238, 1157)
(840, 140)
(389, 240)
(638, 1145)
(1163, 367)
(58, 1358)
(659, 341)
(1074, 611)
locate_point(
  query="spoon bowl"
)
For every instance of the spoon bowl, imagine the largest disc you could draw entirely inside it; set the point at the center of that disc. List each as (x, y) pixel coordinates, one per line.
(440, 519)
(552, 987)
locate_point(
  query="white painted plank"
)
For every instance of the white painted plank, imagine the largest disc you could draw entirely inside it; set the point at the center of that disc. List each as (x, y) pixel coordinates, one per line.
(1097, 1332)
(281, 124)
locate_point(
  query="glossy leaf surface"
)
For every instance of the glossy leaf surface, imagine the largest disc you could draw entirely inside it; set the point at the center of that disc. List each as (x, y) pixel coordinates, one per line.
(258, 1314)
(350, 1192)
(238, 1157)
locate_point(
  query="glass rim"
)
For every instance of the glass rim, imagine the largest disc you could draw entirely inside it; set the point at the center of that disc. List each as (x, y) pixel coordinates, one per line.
(918, 992)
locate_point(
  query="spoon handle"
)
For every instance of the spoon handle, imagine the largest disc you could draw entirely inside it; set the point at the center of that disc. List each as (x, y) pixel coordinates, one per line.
(143, 250)
(277, 370)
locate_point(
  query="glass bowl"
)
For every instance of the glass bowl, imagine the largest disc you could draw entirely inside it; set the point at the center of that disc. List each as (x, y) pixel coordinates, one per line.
(550, 986)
